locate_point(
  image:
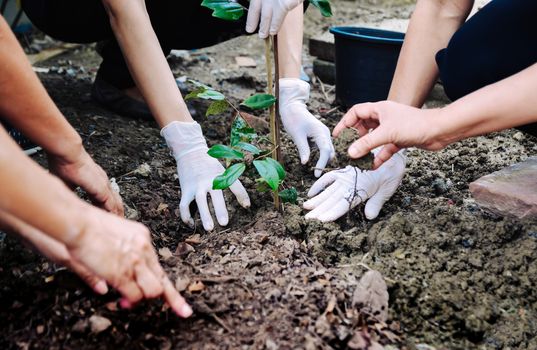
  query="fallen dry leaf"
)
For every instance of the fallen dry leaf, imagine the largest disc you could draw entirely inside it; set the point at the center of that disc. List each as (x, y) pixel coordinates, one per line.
(183, 249)
(371, 295)
(143, 170)
(194, 239)
(197, 286)
(165, 253)
(161, 207)
(182, 283)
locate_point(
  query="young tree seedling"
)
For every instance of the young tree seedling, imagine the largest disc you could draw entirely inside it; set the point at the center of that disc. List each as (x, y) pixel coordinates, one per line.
(246, 147)
(269, 168)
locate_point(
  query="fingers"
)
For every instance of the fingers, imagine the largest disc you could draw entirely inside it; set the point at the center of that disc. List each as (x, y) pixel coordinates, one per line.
(368, 142)
(220, 209)
(322, 183)
(266, 18)
(254, 11)
(175, 300)
(332, 208)
(184, 208)
(325, 196)
(385, 154)
(324, 158)
(277, 20)
(130, 291)
(114, 204)
(149, 283)
(303, 147)
(205, 214)
(96, 283)
(240, 193)
(374, 205)
(356, 114)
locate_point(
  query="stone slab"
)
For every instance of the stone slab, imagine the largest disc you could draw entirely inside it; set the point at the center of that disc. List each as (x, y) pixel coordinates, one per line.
(510, 192)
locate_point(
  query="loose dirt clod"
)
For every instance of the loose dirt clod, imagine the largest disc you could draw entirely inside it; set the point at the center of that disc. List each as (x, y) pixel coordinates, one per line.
(371, 295)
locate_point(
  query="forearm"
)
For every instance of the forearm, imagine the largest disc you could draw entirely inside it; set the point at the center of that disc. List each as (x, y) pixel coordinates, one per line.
(132, 27)
(31, 195)
(432, 25)
(506, 104)
(25, 104)
(290, 39)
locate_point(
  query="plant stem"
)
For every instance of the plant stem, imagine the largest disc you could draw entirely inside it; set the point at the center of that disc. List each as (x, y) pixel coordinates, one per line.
(273, 122)
(279, 156)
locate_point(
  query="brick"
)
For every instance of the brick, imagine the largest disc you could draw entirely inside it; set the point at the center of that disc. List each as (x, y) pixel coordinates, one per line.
(326, 71)
(509, 192)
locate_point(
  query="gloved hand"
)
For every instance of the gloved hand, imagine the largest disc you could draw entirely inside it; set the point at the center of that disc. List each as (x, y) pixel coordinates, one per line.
(197, 170)
(301, 125)
(270, 13)
(351, 186)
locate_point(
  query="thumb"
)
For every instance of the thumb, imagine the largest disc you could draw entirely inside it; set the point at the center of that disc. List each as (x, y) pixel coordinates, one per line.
(368, 142)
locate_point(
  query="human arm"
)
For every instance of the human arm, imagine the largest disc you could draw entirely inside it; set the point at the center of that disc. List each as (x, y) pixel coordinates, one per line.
(25, 104)
(299, 123)
(431, 26)
(111, 248)
(140, 46)
(505, 104)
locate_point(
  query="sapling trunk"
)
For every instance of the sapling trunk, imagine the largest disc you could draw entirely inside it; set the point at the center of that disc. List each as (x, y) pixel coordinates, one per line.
(274, 128)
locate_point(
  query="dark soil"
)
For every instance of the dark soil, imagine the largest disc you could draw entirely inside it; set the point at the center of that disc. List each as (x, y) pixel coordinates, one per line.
(458, 277)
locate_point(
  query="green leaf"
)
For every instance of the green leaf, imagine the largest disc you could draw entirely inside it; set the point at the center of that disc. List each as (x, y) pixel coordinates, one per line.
(217, 107)
(224, 152)
(279, 168)
(259, 101)
(289, 195)
(268, 172)
(323, 6)
(199, 85)
(262, 186)
(225, 9)
(229, 176)
(211, 95)
(194, 94)
(248, 147)
(241, 132)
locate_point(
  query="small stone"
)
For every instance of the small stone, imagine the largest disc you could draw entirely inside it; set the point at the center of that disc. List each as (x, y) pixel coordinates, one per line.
(183, 249)
(99, 324)
(519, 136)
(80, 326)
(40, 329)
(510, 191)
(143, 170)
(245, 61)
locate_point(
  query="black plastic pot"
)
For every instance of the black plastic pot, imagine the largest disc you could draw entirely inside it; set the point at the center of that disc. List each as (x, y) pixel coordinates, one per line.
(366, 59)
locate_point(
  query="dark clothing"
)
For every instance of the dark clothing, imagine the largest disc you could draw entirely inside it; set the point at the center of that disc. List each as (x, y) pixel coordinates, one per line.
(497, 42)
(179, 24)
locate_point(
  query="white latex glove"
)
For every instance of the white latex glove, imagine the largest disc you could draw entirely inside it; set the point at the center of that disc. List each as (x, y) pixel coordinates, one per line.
(269, 14)
(301, 125)
(197, 170)
(351, 186)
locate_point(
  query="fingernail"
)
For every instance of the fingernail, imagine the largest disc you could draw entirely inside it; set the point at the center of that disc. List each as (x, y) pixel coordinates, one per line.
(353, 151)
(101, 287)
(125, 304)
(186, 310)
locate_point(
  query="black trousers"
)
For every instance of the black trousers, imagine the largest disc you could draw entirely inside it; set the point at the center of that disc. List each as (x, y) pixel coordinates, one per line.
(497, 42)
(179, 24)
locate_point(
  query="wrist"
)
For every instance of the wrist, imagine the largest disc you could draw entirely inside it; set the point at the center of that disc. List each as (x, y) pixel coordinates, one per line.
(68, 150)
(183, 138)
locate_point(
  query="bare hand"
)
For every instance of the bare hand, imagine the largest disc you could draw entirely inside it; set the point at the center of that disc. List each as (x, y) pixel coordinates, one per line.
(82, 171)
(120, 251)
(52, 249)
(394, 126)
